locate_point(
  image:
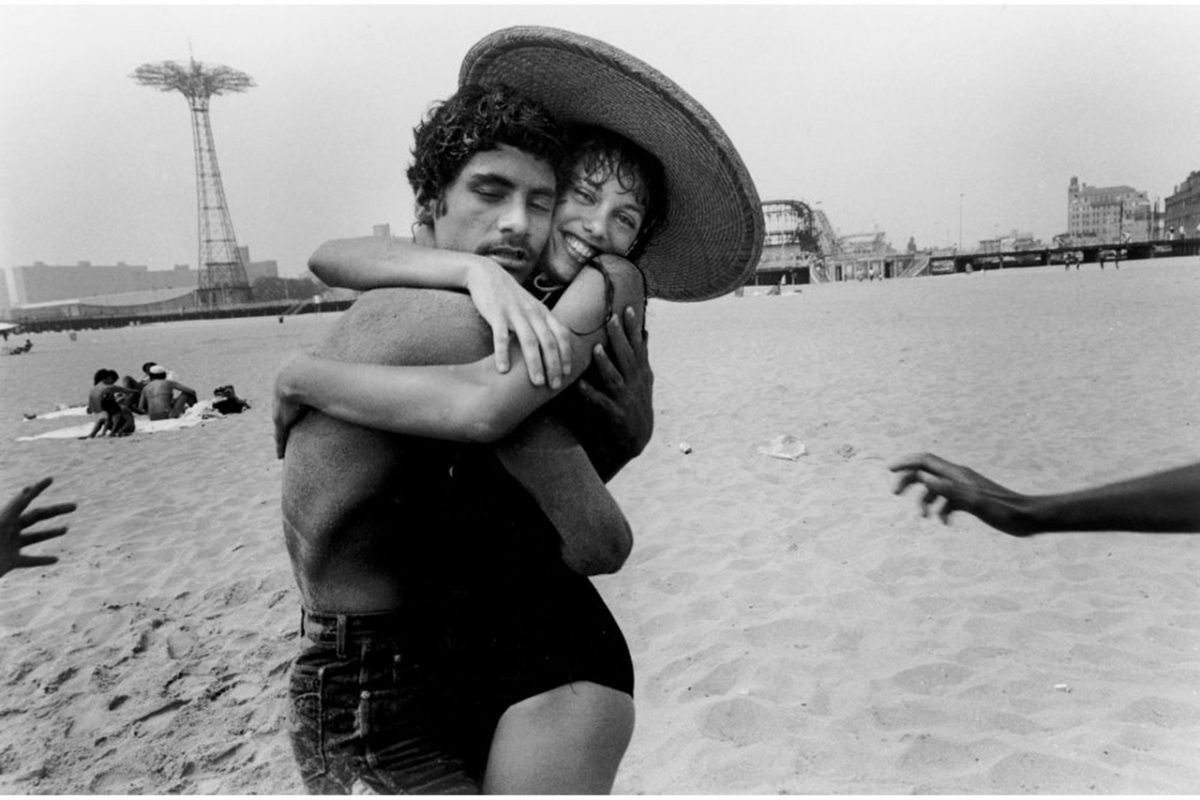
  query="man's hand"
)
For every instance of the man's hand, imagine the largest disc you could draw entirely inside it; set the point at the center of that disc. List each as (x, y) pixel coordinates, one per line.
(621, 410)
(505, 306)
(286, 412)
(14, 519)
(963, 489)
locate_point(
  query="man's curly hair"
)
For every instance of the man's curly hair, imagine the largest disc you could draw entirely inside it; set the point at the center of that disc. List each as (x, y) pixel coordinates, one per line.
(475, 119)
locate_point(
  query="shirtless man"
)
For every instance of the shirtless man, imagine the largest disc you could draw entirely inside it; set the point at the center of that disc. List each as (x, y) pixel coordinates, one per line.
(163, 398)
(387, 534)
(109, 401)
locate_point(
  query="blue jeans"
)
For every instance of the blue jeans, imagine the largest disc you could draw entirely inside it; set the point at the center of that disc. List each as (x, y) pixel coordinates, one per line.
(376, 699)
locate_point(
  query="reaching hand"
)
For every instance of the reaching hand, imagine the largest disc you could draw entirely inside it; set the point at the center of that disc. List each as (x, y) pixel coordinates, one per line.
(505, 306)
(963, 489)
(286, 412)
(13, 522)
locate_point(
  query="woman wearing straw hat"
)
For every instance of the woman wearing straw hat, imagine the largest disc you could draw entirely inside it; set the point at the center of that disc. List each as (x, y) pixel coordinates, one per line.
(625, 110)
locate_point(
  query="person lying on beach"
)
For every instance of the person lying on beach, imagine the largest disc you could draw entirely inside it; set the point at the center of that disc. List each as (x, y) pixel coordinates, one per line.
(1160, 502)
(116, 418)
(163, 398)
(14, 519)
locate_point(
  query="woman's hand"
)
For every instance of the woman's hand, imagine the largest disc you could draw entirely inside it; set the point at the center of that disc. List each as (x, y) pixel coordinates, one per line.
(505, 306)
(287, 411)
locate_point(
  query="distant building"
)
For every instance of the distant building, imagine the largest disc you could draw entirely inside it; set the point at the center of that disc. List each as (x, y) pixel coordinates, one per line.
(124, 304)
(1013, 241)
(862, 255)
(1107, 214)
(257, 269)
(790, 247)
(1183, 207)
(46, 283)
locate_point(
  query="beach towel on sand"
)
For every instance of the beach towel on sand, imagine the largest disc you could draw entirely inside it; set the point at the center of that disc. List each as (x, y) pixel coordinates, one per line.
(198, 413)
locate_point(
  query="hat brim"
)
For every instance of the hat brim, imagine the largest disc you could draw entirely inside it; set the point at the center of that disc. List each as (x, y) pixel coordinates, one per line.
(714, 232)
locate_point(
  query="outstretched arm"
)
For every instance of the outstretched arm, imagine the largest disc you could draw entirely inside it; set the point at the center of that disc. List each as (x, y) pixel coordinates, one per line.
(1161, 502)
(14, 519)
(372, 262)
(469, 402)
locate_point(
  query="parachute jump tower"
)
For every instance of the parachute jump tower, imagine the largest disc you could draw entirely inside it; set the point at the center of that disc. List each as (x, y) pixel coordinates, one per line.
(223, 279)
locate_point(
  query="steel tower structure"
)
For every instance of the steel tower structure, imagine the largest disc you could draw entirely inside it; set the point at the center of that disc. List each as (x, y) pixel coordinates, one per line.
(223, 279)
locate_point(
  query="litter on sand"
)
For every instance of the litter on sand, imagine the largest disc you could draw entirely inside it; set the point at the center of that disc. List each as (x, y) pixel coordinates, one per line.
(787, 447)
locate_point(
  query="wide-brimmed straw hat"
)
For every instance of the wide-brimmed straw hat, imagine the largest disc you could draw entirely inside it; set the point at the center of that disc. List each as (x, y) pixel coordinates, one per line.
(714, 232)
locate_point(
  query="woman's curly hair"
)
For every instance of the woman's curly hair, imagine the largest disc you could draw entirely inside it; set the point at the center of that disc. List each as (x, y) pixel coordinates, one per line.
(598, 154)
(478, 118)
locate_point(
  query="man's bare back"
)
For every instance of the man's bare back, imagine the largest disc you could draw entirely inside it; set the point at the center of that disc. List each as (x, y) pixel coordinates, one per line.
(159, 400)
(356, 500)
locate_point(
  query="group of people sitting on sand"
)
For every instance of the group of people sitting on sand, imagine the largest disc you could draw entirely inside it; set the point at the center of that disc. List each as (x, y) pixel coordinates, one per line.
(117, 399)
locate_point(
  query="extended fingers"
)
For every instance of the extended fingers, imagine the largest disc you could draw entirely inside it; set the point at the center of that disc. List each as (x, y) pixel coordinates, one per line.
(948, 508)
(23, 498)
(614, 381)
(927, 499)
(618, 339)
(595, 397)
(33, 537)
(500, 348)
(556, 364)
(35, 561)
(530, 348)
(921, 461)
(907, 479)
(36, 515)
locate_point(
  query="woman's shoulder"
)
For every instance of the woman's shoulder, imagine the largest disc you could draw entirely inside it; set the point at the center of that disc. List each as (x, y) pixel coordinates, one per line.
(597, 292)
(613, 274)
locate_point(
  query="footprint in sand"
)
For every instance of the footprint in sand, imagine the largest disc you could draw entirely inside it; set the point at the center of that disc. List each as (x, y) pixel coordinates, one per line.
(1038, 773)
(931, 679)
(740, 721)
(1160, 712)
(932, 753)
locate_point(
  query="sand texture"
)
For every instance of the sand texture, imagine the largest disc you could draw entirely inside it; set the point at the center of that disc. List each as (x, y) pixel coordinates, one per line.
(794, 626)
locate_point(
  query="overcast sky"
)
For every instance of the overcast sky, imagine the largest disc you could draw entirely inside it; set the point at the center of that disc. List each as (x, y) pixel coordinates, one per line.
(883, 114)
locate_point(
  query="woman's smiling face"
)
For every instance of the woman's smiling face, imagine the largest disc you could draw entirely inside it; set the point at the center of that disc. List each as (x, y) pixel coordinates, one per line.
(598, 213)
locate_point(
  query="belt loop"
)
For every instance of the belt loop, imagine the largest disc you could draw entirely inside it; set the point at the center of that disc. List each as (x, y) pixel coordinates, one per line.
(301, 622)
(341, 635)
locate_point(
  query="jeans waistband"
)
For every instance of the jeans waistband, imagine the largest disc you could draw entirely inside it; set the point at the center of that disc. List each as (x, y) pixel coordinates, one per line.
(349, 629)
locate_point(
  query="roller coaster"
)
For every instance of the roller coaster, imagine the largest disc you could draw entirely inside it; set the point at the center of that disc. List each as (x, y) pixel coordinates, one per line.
(801, 246)
(798, 241)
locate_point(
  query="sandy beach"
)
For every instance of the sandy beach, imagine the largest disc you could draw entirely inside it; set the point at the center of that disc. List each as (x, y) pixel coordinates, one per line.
(795, 627)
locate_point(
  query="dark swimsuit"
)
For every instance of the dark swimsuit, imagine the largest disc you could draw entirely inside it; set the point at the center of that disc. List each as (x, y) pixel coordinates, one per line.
(521, 621)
